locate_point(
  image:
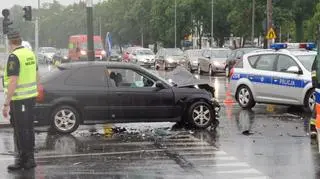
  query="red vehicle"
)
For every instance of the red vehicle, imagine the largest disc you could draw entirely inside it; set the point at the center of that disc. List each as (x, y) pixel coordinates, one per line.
(78, 48)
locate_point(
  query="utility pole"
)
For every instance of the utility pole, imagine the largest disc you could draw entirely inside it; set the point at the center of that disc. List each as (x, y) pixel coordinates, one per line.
(175, 23)
(211, 23)
(269, 18)
(36, 30)
(142, 40)
(90, 51)
(253, 20)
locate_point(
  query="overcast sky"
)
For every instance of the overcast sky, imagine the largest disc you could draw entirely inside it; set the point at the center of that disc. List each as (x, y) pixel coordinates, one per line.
(34, 3)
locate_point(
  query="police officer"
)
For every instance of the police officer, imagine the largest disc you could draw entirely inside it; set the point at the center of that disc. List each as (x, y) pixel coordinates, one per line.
(20, 87)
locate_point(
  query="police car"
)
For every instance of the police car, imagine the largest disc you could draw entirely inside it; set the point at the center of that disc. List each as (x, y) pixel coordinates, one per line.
(277, 76)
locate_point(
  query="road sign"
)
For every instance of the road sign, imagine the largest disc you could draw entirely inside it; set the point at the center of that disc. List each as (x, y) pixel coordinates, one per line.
(271, 34)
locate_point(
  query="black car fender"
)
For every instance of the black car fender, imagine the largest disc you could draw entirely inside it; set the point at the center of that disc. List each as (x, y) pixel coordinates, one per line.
(68, 101)
(185, 102)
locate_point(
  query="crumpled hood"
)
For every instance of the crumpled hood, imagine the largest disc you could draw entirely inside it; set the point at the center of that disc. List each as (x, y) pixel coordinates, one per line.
(183, 78)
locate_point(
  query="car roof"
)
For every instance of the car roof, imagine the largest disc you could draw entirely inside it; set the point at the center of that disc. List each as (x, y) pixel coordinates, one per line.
(74, 65)
(282, 51)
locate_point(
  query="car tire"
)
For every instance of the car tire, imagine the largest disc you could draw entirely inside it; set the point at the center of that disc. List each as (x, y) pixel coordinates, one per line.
(310, 98)
(199, 70)
(245, 98)
(200, 115)
(65, 119)
(211, 72)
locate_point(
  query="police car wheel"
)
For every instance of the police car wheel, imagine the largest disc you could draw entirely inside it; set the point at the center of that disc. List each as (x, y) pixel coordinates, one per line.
(65, 119)
(245, 98)
(200, 115)
(310, 101)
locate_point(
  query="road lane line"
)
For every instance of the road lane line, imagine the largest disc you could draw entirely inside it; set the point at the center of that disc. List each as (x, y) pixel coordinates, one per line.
(235, 164)
(213, 158)
(241, 171)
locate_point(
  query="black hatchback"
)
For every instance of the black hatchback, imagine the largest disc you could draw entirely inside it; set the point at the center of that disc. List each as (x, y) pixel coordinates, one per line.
(111, 92)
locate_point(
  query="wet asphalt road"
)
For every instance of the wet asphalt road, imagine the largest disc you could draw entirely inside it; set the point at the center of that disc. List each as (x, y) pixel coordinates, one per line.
(267, 142)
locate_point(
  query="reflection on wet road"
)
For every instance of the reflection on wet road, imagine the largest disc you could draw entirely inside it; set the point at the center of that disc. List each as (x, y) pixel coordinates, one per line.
(268, 141)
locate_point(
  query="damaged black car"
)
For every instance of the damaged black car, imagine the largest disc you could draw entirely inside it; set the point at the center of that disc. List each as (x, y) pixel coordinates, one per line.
(111, 92)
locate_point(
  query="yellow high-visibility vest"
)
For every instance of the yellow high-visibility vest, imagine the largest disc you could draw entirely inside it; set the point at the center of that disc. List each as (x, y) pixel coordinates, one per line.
(27, 81)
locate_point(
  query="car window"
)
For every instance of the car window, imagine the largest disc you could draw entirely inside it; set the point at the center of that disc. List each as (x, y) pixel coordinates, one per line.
(87, 76)
(127, 78)
(53, 74)
(284, 62)
(266, 62)
(253, 59)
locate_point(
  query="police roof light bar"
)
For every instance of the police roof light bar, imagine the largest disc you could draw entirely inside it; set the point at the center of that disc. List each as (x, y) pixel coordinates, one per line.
(308, 46)
(278, 46)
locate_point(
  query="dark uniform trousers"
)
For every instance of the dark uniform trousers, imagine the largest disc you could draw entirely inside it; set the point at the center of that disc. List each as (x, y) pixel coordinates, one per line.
(21, 112)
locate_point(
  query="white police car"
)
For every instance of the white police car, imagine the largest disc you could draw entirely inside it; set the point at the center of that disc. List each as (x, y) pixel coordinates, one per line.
(275, 76)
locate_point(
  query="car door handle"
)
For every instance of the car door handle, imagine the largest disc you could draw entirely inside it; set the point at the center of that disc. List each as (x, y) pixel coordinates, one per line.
(119, 93)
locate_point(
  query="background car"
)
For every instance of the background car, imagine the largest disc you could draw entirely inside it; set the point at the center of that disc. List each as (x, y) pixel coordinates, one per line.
(115, 56)
(102, 92)
(192, 58)
(127, 54)
(144, 57)
(45, 54)
(61, 56)
(235, 56)
(213, 60)
(169, 58)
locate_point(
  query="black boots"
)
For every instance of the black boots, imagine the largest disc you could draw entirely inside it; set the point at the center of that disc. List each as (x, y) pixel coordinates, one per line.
(25, 162)
(18, 162)
(29, 161)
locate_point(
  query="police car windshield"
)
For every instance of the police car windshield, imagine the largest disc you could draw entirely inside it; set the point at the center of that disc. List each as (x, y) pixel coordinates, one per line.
(306, 60)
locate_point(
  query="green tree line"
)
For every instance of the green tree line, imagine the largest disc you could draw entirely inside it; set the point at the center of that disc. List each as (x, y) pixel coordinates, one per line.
(130, 20)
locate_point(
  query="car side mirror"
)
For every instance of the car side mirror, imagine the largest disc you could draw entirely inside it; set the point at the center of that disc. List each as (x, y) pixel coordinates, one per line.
(294, 69)
(160, 85)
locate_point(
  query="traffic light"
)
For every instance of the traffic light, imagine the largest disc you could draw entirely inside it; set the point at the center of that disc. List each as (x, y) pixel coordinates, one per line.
(6, 21)
(27, 13)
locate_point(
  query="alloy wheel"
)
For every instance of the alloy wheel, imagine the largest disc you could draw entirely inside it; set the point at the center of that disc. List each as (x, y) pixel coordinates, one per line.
(65, 119)
(201, 115)
(244, 97)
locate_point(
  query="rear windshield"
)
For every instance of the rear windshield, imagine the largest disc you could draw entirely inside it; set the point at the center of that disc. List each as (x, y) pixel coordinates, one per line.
(53, 74)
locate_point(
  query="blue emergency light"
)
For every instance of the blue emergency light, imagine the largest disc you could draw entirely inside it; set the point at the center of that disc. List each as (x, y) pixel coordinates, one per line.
(278, 46)
(308, 46)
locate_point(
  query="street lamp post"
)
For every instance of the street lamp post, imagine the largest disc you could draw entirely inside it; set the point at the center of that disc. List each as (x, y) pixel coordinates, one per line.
(175, 23)
(90, 51)
(212, 23)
